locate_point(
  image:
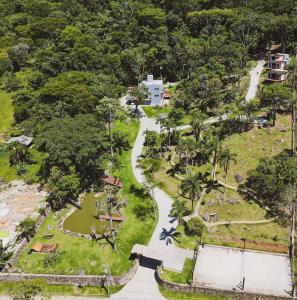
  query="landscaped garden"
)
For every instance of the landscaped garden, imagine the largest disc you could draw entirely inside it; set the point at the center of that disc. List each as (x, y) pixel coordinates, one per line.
(228, 206)
(93, 255)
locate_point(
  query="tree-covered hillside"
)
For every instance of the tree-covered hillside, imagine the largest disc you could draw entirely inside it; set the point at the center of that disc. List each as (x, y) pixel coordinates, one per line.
(59, 59)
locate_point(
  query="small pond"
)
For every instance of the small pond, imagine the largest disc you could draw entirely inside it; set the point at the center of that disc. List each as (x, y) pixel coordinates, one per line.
(81, 220)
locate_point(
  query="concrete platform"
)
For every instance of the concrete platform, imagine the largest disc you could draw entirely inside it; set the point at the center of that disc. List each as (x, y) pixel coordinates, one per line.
(225, 268)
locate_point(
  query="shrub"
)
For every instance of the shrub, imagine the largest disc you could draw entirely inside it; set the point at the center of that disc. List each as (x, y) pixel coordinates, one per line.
(194, 227)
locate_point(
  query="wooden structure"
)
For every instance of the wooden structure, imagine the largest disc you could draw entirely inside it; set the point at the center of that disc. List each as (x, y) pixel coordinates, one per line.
(44, 248)
(113, 181)
(114, 218)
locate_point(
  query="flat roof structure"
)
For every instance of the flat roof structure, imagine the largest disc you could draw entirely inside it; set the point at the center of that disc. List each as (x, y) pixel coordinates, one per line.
(226, 268)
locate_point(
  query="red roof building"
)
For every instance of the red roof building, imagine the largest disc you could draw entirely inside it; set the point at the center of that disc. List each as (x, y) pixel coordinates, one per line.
(113, 181)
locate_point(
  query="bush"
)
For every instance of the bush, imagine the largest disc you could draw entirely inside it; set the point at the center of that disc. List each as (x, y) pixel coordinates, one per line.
(194, 227)
(144, 209)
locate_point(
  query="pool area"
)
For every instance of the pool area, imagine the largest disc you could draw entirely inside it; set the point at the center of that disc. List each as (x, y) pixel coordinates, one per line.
(82, 220)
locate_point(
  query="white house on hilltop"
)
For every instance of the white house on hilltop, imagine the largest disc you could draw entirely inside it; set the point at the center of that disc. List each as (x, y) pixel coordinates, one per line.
(154, 89)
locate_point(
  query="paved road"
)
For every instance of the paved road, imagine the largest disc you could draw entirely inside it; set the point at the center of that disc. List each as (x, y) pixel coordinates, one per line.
(255, 78)
(143, 284)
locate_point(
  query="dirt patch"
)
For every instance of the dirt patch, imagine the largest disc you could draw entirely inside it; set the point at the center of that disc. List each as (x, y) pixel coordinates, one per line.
(255, 245)
(18, 200)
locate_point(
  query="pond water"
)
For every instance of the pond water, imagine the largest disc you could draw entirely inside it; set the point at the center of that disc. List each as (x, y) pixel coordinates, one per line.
(81, 220)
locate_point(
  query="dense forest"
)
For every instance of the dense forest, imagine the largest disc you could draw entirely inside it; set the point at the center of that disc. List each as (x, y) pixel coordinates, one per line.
(74, 53)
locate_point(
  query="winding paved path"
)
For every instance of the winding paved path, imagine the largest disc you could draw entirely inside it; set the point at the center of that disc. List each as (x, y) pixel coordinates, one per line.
(255, 79)
(143, 285)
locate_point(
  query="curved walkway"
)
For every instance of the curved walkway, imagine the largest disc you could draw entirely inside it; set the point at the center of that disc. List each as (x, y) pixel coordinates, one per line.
(255, 79)
(143, 285)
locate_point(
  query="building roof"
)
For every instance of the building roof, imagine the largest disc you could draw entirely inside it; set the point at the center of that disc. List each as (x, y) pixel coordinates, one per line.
(113, 181)
(40, 247)
(154, 82)
(22, 139)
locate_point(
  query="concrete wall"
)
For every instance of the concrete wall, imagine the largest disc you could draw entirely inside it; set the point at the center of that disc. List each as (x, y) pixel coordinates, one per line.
(240, 295)
(84, 280)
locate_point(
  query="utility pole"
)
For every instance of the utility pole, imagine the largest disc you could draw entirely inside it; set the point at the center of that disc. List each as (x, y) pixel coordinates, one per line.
(293, 112)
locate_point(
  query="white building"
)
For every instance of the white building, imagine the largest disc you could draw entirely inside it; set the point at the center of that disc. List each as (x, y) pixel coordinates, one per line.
(154, 89)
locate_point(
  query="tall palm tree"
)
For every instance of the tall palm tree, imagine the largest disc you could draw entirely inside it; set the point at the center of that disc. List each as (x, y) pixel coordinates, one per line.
(225, 158)
(193, 186)
(197, 122)
(179, 210)
(216, 146)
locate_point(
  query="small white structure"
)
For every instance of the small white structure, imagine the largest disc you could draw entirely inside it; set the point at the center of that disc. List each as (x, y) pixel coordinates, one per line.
(22, 139)
(154, 89)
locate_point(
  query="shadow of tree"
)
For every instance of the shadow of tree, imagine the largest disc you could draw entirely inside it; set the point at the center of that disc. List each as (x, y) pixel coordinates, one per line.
(168, 235)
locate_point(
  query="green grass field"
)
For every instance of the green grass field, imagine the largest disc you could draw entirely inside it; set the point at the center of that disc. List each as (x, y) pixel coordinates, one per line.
(93, 255)
(67, 290)
(187, 296)
(6, 112)
(255, 144)
(9, 173)
(183, 277)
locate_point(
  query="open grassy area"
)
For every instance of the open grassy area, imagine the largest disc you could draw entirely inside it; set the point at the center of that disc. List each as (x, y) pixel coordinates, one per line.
(255, 144)
(187, 296)
(67, 290)
(250, 147)
(242, 210)
(9, 173)
(6, 112)
(93, 255)
(267, 237)
(154, 111)
(183, 277)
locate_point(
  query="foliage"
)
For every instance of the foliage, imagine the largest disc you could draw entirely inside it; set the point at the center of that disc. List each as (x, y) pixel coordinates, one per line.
(28, 290)
(195, 227)
(5, 254)
(26, 228)
(273, 183)
(19, 154)
(62, 188)
(75, 145)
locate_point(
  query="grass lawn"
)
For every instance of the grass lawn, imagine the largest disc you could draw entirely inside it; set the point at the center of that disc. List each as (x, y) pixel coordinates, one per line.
(266, 237)
(154, 111)
(67, 290)
(255, 144)
(9, 173)
(6, 112)
(187, 296)
(243, 210)
(93, 255)
(185, 276)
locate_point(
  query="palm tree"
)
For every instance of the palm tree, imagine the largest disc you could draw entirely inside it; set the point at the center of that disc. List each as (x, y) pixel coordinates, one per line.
(179, 210)
(27, 228)
(197, 122)
(107, 110)
(19, 154)
(193, 186)
(216, 146)
(225, 158)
